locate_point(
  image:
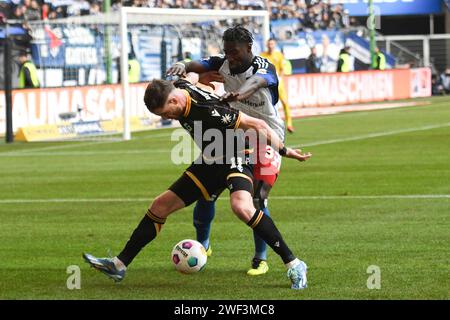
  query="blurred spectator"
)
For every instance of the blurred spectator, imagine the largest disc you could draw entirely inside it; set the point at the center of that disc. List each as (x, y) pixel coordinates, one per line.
(187, 57)
(5, 12)
(344, 62)
(45, 11)
(380, 61)
(32, 10)
(17, 15)
(95, 8)
(28, 76)
(311, 14)
(436, 85)
(78, 8)
(445, 80)
(134, 69)
(58, 13)
(314, 63)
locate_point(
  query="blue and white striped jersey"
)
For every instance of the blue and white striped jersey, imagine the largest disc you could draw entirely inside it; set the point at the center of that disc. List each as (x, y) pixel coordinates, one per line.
(262, 104)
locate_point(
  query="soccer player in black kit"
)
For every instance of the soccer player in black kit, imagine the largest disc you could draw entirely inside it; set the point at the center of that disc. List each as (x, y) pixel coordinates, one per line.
(194, 107)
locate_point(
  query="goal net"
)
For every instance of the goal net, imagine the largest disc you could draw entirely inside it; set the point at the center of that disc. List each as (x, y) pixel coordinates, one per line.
(84, 52)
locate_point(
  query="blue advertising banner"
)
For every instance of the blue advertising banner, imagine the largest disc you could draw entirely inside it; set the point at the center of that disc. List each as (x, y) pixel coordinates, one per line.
(68, 47)
(392, 7)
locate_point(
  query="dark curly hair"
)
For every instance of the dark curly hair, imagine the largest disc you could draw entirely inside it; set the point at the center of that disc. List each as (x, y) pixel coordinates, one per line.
(238, 34)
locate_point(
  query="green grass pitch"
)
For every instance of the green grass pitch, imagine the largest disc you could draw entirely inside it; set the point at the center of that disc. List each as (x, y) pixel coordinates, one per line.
(376, 192)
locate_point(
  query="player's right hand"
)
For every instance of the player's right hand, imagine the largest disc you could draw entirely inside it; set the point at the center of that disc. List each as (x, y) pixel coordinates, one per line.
(298, 154)
(178, 69)
(230, 97)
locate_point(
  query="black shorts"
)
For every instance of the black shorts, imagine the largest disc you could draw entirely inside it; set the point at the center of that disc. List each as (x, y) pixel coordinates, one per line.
(209, 180)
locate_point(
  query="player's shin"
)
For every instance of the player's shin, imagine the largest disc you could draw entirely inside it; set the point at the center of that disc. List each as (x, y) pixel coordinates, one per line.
(204, 213)
(260, 244)
(146, 231)
(264, 227)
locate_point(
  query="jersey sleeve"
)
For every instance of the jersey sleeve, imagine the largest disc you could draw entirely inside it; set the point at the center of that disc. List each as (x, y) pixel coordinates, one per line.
(264, 69)
(213, 63)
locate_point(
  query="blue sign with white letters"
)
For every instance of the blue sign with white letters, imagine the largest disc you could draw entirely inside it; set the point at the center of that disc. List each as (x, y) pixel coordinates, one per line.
(392, 7)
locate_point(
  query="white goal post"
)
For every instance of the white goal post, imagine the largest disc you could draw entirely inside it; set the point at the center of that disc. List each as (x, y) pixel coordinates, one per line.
(134, 15)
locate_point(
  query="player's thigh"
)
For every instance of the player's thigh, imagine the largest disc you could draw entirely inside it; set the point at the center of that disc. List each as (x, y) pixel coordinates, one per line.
(265, 174)
(198, 181)
(187, 188)
(240, 183)
(166, 203)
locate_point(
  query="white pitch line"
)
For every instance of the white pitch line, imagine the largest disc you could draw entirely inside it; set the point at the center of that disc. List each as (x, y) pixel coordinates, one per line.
(374, 135)
(362, 197)
(29, 152)
(65, 146)
(83, 153)
(76, 144)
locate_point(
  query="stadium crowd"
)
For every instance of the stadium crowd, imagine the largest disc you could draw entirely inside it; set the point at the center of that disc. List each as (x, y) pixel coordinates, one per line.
(311, 14)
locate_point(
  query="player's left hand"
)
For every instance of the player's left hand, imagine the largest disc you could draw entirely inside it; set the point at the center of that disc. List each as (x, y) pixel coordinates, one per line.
(230, 97)
(297, 154)
(178, 69)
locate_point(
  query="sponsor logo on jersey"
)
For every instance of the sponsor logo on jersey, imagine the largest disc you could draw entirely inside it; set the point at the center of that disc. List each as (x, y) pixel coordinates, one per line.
(226, 119)
(253, 104)
(214, 113)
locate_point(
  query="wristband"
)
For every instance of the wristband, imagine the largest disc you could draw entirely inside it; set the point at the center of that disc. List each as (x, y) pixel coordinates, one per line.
(282, 151)
(181, 64)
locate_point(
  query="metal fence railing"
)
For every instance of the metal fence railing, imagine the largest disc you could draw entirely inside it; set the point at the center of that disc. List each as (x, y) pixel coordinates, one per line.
(419, 50)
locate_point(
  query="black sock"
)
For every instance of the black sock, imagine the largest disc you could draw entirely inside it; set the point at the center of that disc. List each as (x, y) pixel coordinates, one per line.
(265, 228)
(146, 231)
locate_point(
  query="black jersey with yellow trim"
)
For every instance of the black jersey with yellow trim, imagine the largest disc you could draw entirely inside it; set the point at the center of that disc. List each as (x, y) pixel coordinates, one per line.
(205, 111)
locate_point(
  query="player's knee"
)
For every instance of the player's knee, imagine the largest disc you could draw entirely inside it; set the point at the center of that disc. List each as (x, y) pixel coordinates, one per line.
(160, 207)
(204, 206)
(258, 203)
(260, 200)
(242, 210)
(204, 212)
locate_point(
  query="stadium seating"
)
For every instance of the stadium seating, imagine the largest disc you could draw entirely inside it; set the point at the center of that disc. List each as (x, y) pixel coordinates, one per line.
(311, 14)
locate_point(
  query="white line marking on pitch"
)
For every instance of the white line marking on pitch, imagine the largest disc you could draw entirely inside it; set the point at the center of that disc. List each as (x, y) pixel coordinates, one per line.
(83, 153)
(407, 196)
(374, 135)
(29, 152)
(65, 146)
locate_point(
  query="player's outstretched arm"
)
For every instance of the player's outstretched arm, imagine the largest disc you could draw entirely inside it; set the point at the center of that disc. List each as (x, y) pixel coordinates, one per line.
(180, 68)
(192, 77)
(248, 122)
(208, 77)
